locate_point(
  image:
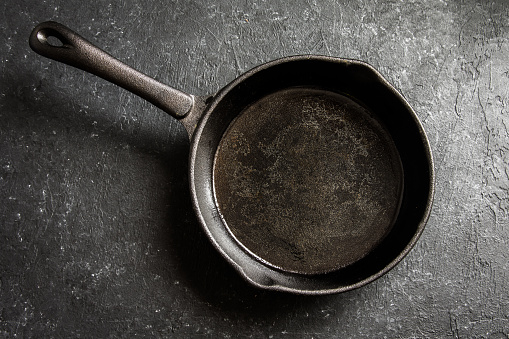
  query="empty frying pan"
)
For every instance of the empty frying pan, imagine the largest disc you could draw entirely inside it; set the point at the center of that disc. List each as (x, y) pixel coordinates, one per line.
(309, 174)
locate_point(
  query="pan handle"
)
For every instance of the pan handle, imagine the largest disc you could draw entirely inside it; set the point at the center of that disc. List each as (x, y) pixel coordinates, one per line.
(74, 50)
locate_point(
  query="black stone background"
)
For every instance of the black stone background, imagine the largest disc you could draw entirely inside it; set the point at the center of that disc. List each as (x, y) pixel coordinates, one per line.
(97, 234)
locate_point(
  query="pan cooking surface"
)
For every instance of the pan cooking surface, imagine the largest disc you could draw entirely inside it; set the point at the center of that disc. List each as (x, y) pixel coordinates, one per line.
(307, 180)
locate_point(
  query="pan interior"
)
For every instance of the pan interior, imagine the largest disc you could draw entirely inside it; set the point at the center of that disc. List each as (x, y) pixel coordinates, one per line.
(307, 180)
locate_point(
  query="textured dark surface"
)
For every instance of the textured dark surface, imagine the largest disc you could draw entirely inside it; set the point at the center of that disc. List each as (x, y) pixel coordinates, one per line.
(308, 180)
(98, 235)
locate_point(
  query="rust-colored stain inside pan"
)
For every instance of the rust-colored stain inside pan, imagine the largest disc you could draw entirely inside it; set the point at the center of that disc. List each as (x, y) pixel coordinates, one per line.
(307, 180)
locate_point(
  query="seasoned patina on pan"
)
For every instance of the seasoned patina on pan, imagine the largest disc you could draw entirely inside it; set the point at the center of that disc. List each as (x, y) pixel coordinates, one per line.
(309, 174)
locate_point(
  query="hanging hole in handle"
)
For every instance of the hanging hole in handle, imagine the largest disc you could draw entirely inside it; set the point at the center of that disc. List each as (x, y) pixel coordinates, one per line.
(54, 41)
(51, 38)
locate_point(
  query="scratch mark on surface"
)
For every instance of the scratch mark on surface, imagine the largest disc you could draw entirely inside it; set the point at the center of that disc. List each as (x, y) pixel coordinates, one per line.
(325, 42)
(215, 36)
(237, 61)
(454, 326)
(456, 104)
(486, 125)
